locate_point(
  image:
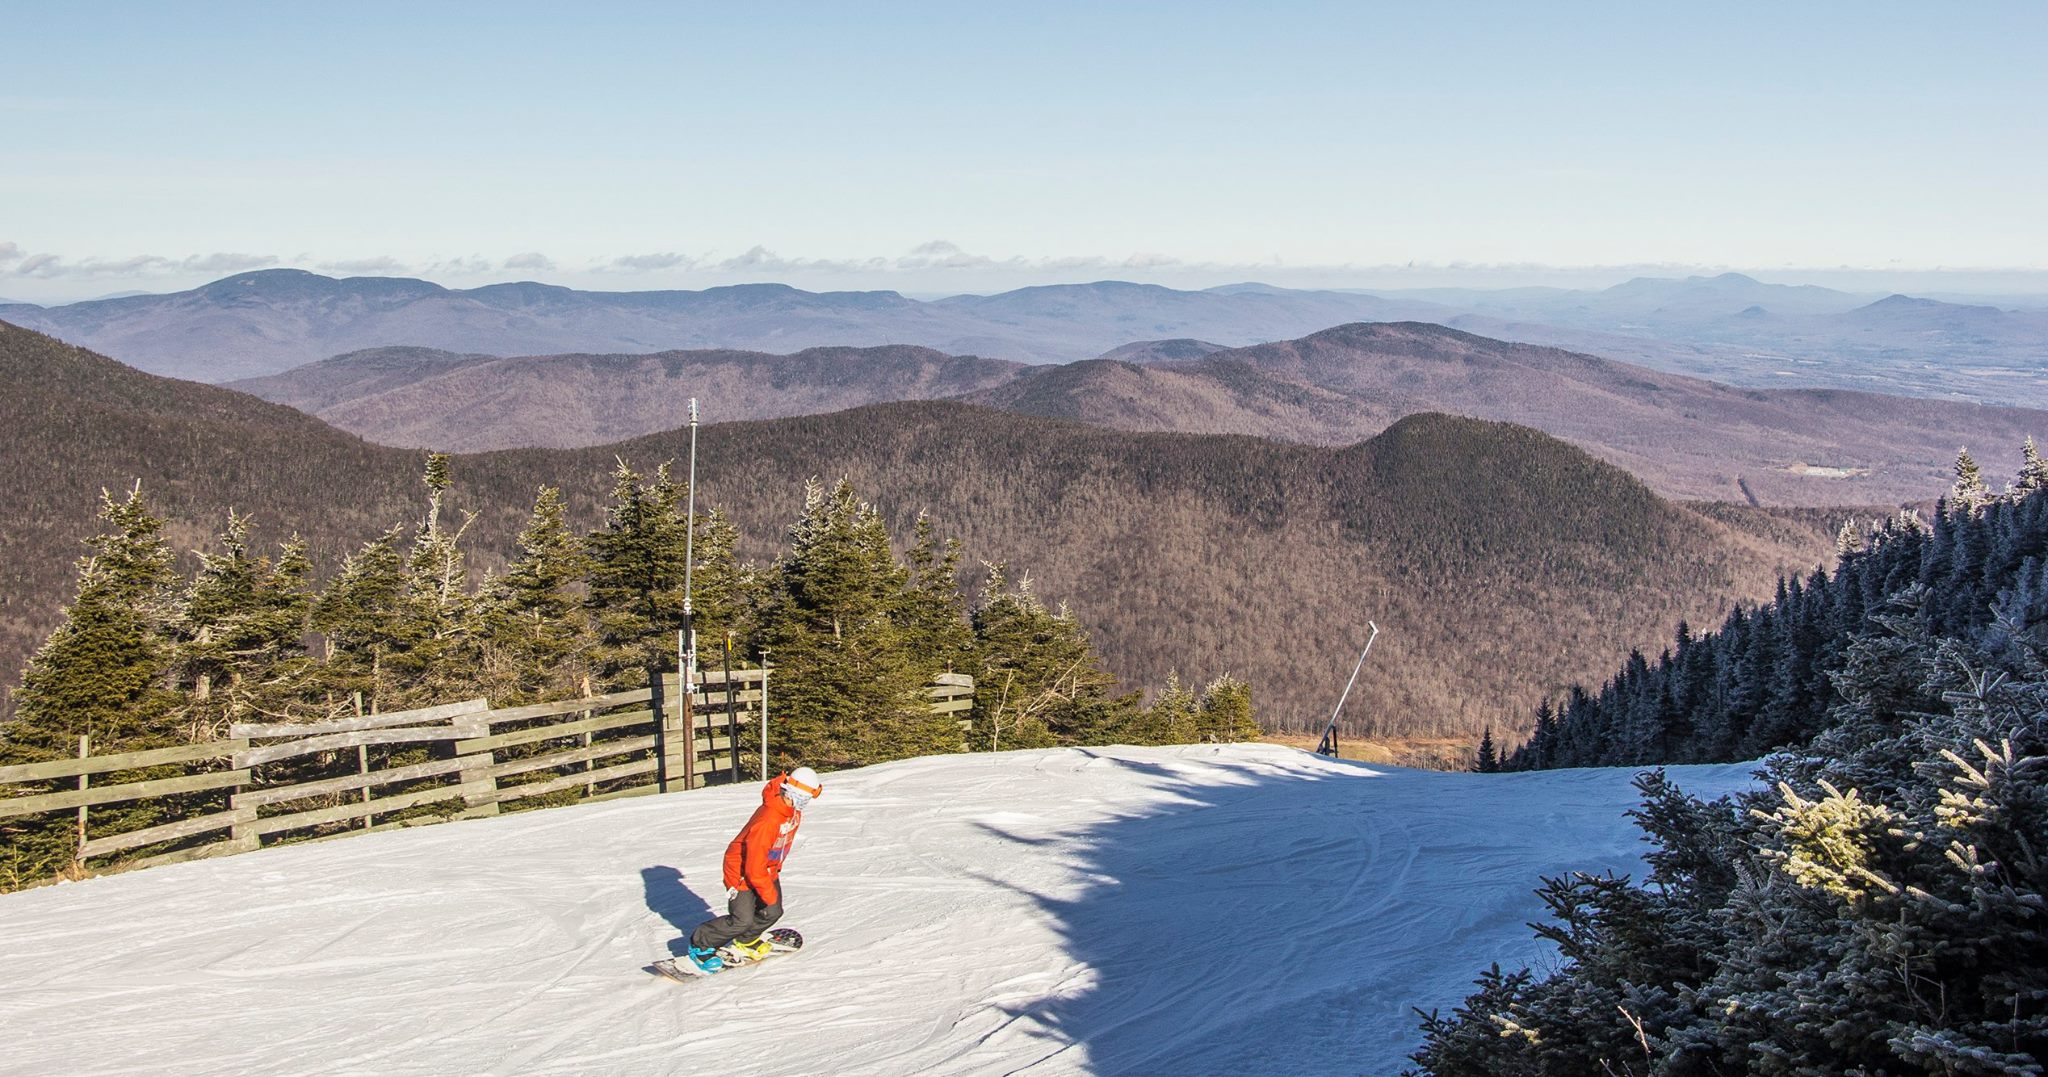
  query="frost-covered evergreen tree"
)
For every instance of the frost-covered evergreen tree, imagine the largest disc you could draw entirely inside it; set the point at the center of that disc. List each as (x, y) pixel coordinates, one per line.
(1765, 680)
(1875, 910)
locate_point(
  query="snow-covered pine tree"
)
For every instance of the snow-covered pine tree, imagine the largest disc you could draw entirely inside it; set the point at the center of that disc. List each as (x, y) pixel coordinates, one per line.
(2033, 470)
(1969, 493)
(441, 662)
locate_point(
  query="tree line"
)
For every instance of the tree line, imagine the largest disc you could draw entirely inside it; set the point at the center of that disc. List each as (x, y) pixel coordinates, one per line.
(147, 656)
(1767, 678)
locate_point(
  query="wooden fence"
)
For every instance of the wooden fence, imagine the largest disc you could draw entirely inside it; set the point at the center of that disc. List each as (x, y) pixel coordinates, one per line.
(453, 761)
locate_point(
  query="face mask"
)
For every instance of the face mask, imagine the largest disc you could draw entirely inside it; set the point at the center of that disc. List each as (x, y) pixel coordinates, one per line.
(798, 799)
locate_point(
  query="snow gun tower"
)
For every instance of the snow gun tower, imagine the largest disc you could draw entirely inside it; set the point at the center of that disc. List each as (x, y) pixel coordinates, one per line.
(1328, 745)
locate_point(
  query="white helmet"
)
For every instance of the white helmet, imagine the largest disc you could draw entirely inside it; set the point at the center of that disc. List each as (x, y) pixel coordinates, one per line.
(801, 786)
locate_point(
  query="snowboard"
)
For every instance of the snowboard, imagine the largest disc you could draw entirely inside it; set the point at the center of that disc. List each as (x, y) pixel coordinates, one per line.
(781, 940)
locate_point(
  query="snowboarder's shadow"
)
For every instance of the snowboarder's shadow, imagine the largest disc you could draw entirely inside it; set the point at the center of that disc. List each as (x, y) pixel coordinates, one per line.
(675, 902)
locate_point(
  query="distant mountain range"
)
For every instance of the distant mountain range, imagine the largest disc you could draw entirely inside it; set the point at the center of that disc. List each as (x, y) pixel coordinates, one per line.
(1730, 327)
(467, 403)
(1503, 563)
(1685, 436)
(265, 322)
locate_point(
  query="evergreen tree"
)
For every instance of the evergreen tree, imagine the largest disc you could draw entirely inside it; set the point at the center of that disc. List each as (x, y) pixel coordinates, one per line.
(1039, 682)
(2033, 470)
(440, 661)
(535, 630)
(1224, 713)
(855, 692)
(239, 655)
(1489, 757)
(637, 570)
(934, 616)
(1969, 492)
(359, 614)
(105, 672)
(1173, 717)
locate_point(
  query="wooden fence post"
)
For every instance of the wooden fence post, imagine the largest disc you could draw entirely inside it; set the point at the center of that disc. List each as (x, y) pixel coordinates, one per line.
(84, 749)
(476, 767)
(363, 767)
(589, 787)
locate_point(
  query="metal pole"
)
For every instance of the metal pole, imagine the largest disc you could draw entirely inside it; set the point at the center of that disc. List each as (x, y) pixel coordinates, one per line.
(764, 716)
(1328, 745)
(686, 639)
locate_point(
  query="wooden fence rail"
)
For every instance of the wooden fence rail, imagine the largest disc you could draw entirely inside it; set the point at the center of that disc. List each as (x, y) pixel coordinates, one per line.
(451, 761)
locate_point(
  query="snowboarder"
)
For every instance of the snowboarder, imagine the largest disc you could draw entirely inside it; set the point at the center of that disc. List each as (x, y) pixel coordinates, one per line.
(753, 869)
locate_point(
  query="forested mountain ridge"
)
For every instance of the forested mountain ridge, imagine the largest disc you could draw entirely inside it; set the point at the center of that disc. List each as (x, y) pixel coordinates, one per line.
(414, 397)
(1502, 561)
(1686, 437)
(1767, 678)
(1729, 328)
(266, 321)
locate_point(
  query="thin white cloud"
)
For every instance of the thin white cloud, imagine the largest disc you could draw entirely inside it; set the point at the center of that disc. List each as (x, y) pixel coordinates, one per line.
(366, 266)
(530, 260)
(47, 266)
(762, 260)
(648, 263)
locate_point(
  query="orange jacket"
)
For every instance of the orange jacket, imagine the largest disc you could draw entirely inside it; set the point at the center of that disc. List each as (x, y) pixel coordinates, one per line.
(754, 859)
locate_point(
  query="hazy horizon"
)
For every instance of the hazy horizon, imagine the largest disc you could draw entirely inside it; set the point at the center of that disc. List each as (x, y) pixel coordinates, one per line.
(1985, 285)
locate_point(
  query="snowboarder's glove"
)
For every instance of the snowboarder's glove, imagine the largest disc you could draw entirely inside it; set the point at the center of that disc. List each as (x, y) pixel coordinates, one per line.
(731, 892)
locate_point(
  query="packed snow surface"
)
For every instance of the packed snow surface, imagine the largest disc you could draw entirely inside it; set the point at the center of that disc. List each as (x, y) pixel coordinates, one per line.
(1213, 909)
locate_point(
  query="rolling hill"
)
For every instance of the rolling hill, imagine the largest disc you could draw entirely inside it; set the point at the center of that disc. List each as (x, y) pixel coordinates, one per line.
(420, 397)
(1685, 436)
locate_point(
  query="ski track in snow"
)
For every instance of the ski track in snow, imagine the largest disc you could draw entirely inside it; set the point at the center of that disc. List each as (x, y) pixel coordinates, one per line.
(1206, 909)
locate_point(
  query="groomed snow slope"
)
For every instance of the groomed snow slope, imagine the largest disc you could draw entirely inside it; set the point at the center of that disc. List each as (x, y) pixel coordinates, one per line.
(1243, 908)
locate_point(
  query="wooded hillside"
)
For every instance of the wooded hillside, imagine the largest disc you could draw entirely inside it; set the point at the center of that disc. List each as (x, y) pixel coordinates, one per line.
(1504, 564)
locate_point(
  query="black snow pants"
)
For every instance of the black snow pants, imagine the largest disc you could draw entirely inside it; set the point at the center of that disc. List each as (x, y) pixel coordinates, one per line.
(745, 918)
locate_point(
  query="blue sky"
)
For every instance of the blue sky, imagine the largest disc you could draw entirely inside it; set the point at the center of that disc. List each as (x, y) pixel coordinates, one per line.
(951, 147)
